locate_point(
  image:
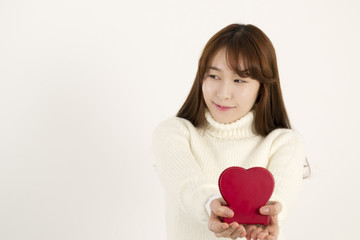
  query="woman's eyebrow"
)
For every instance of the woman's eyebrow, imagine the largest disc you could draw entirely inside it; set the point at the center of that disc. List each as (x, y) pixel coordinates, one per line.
(215, 68)
(218, 69)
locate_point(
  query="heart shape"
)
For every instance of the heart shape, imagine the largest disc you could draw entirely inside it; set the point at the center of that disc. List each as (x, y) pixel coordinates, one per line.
(245, 191)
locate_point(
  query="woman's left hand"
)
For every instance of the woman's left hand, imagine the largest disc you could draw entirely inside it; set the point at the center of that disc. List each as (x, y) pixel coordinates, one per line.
(268, 232)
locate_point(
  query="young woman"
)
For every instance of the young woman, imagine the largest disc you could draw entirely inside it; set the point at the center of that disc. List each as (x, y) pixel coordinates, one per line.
(234, 115)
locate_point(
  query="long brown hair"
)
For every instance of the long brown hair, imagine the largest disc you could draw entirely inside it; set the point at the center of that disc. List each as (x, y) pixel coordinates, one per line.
(248, 43)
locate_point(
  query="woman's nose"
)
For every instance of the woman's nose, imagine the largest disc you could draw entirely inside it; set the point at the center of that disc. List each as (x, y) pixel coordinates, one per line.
(224, 91)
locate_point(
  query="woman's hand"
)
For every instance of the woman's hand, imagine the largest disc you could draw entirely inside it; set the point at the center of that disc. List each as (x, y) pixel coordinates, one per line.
(268, 232)
(233, 230)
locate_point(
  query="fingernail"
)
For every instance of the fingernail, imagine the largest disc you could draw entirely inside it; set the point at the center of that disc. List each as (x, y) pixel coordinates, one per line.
(266, 210)
(228, 213)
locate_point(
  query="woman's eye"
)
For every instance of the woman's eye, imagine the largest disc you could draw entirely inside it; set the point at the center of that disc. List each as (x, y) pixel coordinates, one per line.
(214, 76)
(239, 80)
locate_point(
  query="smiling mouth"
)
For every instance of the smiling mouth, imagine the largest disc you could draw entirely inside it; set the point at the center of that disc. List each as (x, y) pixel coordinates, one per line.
(223, 108)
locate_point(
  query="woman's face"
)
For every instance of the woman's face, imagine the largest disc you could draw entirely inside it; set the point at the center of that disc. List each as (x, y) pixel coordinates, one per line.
(227, 95)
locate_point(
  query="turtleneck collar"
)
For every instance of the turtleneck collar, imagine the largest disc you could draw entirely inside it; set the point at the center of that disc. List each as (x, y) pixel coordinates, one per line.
(240, 128)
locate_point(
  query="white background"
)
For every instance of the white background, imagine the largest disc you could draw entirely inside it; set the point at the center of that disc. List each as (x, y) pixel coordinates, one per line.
(84, 83)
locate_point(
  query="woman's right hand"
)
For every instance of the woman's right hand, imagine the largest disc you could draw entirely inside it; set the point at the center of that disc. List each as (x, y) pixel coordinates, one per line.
(220, 229)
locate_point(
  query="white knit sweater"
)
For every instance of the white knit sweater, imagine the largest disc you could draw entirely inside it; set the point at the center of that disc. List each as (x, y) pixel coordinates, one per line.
(189, 161)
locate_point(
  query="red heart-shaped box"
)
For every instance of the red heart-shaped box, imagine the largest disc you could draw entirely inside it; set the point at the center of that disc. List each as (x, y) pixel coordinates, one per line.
(246, 191)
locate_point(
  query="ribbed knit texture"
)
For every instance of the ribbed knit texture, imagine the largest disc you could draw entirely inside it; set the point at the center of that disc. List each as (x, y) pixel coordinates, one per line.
(189, 161)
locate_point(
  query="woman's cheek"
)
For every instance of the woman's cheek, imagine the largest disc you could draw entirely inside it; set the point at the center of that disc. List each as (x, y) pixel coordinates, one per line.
(209, 87)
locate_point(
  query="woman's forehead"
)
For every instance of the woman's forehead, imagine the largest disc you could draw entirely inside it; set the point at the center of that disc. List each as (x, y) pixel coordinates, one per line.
(223, 59)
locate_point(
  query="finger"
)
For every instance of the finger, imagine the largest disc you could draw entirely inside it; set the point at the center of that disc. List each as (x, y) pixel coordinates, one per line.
(249, 229)
(262, 234)
(271, 208)
(269, 237)
(230, 231)
(220, 210)
(236, 233)
(273, 229)
(218, 227)
(215, 225)
(255, 232)
(240, 232)
(274, 220)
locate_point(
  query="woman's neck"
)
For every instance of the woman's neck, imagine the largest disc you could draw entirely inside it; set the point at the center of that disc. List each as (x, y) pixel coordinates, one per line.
(240, 128)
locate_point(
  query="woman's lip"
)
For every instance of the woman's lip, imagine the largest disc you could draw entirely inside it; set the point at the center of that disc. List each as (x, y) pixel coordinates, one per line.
(223, 108)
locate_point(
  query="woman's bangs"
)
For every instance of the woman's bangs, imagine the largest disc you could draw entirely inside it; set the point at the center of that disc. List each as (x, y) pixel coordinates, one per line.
(237, 62)
(242, 59)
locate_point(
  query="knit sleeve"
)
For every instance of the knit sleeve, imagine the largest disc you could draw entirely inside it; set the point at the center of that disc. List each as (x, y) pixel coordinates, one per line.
(178, 170)
(286, 159)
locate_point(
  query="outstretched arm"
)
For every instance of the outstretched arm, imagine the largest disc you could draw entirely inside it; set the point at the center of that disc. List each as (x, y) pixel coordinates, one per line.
(179, 171)
(286, 159)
